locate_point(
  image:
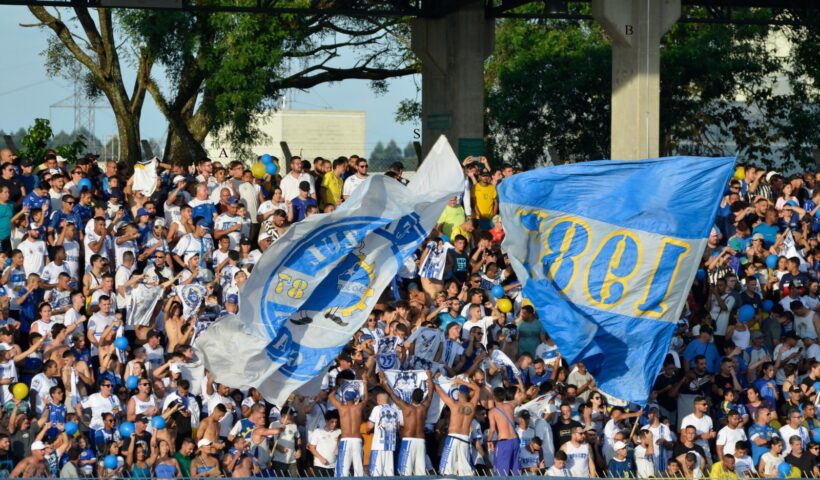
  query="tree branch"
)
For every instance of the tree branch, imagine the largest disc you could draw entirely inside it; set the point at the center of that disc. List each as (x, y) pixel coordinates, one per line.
(338, 74)
(64, 34)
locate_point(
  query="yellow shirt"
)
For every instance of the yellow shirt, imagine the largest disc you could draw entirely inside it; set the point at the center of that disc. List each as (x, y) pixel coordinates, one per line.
(457, 230)
(718, 473)
(333, 190)
(483, 199)
(450, 218)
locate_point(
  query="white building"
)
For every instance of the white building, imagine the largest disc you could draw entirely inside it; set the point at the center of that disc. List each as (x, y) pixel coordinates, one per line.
(308, 133)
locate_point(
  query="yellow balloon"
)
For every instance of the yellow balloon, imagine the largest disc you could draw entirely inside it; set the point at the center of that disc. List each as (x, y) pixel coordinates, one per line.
(527, 303)
(740, 173)
(20, 391)
(258, 170)
(504, 305)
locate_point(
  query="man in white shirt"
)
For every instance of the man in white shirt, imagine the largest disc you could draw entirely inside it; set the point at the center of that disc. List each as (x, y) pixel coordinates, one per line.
(99, 322)
(475, 320)
(41, 385)
(645, 456)
(323, 444)
(353, 181)
(229, 224)
(729, 435)
(290, 182)
(702, 423)
(35, 253)
(793, 429)
(384, 422)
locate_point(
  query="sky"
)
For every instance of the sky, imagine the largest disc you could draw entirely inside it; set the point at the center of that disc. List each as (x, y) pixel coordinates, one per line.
(26, 92)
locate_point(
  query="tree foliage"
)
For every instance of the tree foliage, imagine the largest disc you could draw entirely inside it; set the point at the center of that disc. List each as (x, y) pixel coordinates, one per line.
(724, 90)
(224, 70)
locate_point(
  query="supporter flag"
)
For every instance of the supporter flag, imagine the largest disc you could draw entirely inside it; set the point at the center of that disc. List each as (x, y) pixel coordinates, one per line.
(403, 382)
(314, 287)
(607, 251)
(350, 391)
(502, 360)
(790, 250)
(144, 299)
(191, 296)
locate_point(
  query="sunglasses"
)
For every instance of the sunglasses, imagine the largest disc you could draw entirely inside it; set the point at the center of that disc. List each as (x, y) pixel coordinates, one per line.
(107, 385)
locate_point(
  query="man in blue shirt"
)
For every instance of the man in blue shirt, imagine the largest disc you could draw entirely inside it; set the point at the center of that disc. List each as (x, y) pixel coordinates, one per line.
(299, 205)
(37, 199)
(768, 229)
(703, 346)
(760, 433)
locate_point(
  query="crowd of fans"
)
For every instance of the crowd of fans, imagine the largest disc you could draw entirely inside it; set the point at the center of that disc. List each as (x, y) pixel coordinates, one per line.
(86, 394)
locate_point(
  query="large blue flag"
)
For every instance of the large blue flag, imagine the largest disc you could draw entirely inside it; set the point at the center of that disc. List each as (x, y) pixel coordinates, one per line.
(317, 283)
(607, 251)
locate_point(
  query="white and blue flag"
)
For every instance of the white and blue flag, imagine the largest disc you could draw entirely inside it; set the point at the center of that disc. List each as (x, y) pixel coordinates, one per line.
(404, 382)
(313, 289)
(607, 251)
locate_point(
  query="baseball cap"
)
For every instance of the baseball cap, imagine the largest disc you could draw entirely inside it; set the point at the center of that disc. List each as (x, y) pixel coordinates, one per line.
(263, 236)
(202, 223)
(484, 171)
(203, 443)
(175, 368)
(190, 256)
(180, 178)
(232, 201)
(141, 418)
(245, 241)
(38, 445)
(619, 445)
(142, 212)
(160, 222)
(5, 347)
(757, 334)
(757, 236)
(232, 299)
(771, 174)
(795, 389)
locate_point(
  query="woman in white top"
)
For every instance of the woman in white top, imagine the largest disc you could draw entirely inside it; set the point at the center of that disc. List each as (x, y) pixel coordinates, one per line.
(44, 324)
(739, 333)
(772, 459)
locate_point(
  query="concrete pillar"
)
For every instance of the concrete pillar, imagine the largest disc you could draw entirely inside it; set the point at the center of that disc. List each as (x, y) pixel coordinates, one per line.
(452, 50)
(635, 28)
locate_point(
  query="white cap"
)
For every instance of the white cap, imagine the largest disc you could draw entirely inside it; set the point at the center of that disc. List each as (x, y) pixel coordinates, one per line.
(5, 347)
(159, 222)
(264, 236)
(38, 445)
(203, 443)
(771, 174)
(61, 159)
(619, 445)
(190, 256)
(175, 368)
(179, 178)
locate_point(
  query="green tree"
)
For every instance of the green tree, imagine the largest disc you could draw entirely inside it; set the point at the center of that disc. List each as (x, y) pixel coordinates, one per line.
(549, 85)
(224, 70)
(376, 160)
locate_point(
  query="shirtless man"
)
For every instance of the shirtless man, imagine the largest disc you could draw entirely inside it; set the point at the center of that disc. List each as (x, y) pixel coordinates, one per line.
(501, 421)
(33, 466)
(455, 457)
(411, 452)
(350, 422)
(209, 427)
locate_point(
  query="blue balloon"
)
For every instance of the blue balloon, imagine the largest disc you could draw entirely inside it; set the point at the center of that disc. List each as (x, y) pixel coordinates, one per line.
(745, 313)
(126, 429)
(815, 435)
(771, 261)
(497, 291)
(271, 168)
(85, 184)
(784, 470)
(70, 428)
(158, 423)
(700, 274)
(266, 158)
(110, 462)
(121, 343)
(767, 305)
(132, 382)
